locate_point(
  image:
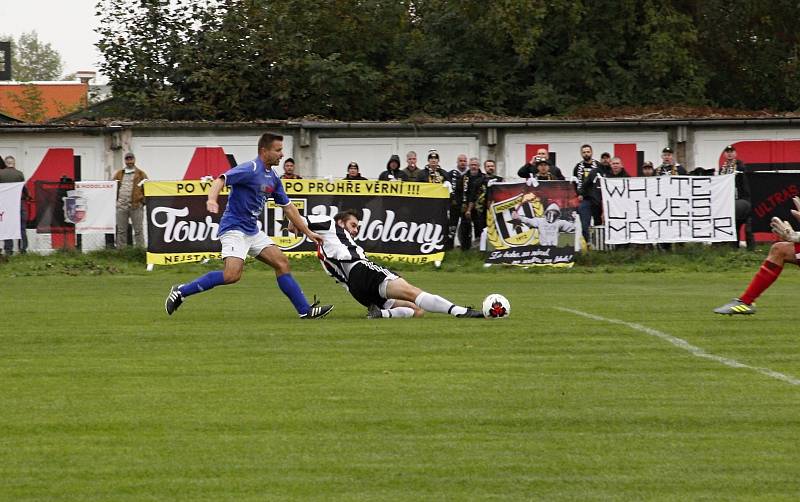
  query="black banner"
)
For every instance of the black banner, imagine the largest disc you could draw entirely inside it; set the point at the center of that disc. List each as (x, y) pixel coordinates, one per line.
(403, 222)
(771, 195)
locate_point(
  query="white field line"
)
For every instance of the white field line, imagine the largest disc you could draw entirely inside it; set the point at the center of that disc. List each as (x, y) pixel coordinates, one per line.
(688, 347)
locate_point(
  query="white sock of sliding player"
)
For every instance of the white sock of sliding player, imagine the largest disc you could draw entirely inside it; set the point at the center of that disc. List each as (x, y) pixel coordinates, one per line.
(397, 312)
(435, 303)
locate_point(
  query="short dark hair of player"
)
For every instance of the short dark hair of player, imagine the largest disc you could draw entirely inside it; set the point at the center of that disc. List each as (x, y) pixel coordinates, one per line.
(347, 213)
(267, 139)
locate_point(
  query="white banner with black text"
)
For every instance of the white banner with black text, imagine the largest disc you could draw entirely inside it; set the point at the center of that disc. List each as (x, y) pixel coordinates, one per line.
(664, 209)
(10, 226)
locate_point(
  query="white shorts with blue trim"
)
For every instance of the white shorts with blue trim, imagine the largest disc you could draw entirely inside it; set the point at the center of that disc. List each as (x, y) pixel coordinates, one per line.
(236, 243)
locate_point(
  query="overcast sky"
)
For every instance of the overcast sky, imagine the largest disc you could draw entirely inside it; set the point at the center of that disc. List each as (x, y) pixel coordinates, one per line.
(67, 25)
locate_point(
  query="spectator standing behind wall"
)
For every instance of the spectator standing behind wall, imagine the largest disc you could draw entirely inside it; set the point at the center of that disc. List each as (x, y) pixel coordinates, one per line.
(733, 165)
(591, 193)
(490, 176)
(353, 172)
(668, 165)
(457, 176)
(647, 169)
(10, 174)
(544, 171)
(473, 221)
(393, 171)
(432, 172)
(529, 169)
(130, 201)
(289, 170)
(413, 172)
(580, 174)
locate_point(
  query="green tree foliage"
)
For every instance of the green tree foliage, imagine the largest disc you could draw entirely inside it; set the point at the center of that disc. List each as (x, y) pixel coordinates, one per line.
(32, 59)
(31, 103)
(370, 59)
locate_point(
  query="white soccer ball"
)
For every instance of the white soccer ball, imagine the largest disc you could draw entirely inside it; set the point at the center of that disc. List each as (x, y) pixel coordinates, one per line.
(496, 306)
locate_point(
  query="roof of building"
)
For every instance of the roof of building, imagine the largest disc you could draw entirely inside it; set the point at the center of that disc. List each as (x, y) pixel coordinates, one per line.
(58, 98)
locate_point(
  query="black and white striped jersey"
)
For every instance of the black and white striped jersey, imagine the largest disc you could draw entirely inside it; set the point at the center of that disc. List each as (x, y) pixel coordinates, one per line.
(339, 252)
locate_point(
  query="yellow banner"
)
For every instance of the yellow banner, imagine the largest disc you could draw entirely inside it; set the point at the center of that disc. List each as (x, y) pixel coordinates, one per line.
(366, 187)
(183, 187)
(177, 258)
(312, 187)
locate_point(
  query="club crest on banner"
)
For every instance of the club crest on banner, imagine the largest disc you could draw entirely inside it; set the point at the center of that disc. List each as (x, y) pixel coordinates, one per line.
(75, 207)
(510, 233)
(277, 224)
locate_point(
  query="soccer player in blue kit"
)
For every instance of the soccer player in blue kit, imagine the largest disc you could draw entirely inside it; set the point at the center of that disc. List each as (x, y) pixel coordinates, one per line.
(251, 183)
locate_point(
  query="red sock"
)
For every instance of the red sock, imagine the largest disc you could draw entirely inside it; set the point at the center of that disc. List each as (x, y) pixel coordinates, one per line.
(763, 279)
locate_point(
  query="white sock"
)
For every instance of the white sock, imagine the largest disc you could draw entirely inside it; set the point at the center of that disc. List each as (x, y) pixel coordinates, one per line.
(435, 303)
(398, 312)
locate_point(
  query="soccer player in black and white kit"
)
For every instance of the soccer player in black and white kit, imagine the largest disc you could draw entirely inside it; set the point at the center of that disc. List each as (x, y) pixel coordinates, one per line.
(384, 293)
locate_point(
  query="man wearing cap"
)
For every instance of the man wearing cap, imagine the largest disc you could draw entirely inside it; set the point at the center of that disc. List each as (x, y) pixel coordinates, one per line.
(647, 169)
(733, 165)
(544, 171)
(288, 170)
(130, 199)
(668, 165)
(353, 172)
(432, 172)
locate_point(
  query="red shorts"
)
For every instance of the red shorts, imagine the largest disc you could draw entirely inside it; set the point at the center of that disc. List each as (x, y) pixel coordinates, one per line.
(797, 252)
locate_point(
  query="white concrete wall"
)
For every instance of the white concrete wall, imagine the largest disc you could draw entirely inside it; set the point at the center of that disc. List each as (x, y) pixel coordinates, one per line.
(334, 154)
(167, 157)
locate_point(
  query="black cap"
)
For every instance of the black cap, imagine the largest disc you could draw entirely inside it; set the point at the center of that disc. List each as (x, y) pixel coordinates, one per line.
(730, 148)
(667, 150)
(647, 164)
(433, 154)
(541, 160)
(130, 155)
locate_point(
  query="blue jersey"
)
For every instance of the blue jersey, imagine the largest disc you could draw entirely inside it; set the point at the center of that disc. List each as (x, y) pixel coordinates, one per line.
(251, 183)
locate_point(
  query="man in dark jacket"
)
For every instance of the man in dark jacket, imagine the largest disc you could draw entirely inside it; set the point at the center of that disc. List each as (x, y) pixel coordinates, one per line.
(591, 207)
(581, 173)
(668, 165)
(393, 171)
(733, 165)
(473, 219)
(529, 168)
(353, 172)
(432, 172)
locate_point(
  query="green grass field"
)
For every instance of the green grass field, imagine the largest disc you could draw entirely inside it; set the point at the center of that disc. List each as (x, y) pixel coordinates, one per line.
(105, 397)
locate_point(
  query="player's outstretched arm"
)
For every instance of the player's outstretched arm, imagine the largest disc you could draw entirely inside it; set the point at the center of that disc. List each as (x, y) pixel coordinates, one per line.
(300, 223)
(213, 193)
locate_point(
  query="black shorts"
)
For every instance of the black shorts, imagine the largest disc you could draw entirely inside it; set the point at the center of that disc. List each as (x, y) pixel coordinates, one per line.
(364, 283)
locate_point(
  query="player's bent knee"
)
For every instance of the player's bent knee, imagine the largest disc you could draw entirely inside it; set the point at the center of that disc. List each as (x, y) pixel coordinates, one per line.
(282, 266)
(231, 276)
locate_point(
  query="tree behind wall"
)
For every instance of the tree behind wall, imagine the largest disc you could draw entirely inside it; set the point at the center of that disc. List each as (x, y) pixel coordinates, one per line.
(32, 59)
(377, 60)
(31, 103)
